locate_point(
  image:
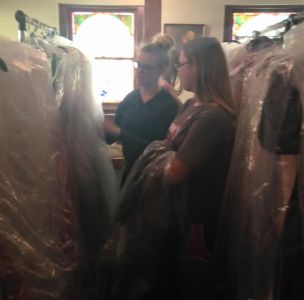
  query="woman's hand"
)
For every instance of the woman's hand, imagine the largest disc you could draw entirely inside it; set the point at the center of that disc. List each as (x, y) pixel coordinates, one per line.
(111, 129)
(176, 171)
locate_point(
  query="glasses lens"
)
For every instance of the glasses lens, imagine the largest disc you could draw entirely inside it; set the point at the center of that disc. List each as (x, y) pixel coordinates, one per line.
(179, 65)
(144, 67)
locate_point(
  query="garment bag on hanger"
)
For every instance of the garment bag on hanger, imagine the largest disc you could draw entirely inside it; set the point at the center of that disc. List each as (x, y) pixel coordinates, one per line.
(39, 250)
(251, 217)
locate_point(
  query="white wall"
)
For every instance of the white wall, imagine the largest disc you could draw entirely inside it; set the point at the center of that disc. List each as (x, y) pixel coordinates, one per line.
(44, 10)
(209, 12)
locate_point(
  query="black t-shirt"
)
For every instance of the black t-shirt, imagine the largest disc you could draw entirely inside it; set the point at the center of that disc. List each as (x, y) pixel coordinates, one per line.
(281, 118)
(279, 133)
(203, 138)
(141, 123)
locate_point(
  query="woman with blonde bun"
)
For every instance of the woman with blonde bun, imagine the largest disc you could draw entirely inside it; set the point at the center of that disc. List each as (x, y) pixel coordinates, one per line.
(169, 80)
(146, 113)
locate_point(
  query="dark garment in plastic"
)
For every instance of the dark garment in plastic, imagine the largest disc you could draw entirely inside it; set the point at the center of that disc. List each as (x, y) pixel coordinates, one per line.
(282, 100)
(151, 229)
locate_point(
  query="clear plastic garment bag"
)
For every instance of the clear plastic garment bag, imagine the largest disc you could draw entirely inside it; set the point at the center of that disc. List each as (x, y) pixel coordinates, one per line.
(92, 175)
(57, 187)
(39, 242)
(263, 203)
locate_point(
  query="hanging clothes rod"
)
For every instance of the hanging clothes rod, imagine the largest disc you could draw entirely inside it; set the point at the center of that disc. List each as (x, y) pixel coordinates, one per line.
(23, 19)
(293, 19)
(298, 18)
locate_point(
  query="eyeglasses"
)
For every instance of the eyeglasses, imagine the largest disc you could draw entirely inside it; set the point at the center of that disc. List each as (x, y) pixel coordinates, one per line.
(144, 67)
(179, 65)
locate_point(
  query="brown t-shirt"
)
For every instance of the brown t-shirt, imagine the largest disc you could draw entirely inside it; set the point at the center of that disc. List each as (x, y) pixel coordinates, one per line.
(203, 137)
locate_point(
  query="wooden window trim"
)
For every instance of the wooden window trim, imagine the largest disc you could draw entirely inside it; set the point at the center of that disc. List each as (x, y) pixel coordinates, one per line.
(152, 18)
(230, 9)
(65, 25)
(66, 10)
(147, 20)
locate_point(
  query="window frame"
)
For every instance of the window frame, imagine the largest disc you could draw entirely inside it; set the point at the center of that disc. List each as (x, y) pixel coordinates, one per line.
(231, 9)
(66, 30)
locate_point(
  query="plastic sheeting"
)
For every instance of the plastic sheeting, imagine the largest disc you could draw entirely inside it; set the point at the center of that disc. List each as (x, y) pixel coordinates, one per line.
(262, 189)
(88, 153)
(39, 250)
(57, 187)
(95, 188)
(234, 53)
(240, 60)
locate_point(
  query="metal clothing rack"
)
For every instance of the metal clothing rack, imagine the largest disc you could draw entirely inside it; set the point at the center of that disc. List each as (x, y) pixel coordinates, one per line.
(23, 19)
(286, 24)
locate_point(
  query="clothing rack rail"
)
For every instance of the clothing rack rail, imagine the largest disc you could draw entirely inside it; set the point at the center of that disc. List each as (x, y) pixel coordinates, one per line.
(298, 18)
(286, 24)
(23, 19)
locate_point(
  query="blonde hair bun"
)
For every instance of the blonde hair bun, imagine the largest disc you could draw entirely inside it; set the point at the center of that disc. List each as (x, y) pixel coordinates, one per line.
(164, 41)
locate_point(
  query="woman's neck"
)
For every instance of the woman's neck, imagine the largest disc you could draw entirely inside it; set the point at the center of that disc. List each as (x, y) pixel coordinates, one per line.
(147, 93)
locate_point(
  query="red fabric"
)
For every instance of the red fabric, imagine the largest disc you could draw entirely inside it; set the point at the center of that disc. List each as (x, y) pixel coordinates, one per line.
(196, 246)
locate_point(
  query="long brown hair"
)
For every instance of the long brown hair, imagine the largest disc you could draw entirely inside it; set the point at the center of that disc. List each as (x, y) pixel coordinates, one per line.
(213, 82)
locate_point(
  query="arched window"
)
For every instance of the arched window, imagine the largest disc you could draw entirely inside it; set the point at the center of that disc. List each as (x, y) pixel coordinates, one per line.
(242, 20)
(109, 35)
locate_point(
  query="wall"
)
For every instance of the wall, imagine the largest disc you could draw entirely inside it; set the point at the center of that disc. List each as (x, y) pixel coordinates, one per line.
(44, 10)
(210, 12)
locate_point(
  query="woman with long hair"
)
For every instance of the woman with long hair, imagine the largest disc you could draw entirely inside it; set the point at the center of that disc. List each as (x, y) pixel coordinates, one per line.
(170, 205)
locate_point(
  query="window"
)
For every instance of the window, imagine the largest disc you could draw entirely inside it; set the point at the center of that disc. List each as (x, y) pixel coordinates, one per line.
(242, 20)
(109, 35)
